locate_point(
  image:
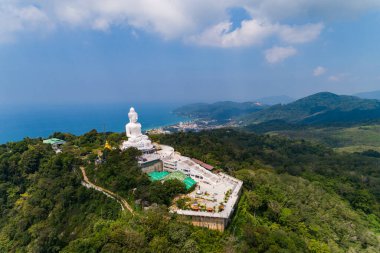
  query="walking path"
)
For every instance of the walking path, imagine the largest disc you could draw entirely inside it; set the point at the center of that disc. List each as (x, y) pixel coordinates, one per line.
(124, 204)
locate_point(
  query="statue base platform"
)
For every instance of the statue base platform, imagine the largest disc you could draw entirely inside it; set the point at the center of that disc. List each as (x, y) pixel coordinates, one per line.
(142, 144)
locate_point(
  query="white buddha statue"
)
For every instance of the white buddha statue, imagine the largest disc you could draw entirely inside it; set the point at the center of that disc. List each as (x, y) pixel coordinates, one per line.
(135, 137)
(133, 128)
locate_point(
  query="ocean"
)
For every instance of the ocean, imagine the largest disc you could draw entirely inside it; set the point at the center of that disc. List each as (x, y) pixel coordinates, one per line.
(41, 121)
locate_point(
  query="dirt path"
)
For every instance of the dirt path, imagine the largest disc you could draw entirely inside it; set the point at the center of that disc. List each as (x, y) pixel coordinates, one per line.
(124, 204)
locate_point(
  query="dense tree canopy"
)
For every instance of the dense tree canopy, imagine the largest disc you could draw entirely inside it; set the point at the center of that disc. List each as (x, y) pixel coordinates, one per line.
(298, 197)
(356, 177)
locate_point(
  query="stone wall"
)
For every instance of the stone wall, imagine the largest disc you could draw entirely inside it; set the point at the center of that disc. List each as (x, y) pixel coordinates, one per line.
(213, 223)
(152, 166)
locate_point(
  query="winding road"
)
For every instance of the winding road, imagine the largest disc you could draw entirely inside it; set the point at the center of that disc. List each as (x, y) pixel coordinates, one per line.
(124, 204)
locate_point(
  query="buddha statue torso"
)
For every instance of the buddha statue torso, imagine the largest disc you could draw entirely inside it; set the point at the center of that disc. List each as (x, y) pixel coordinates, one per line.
(133, 128)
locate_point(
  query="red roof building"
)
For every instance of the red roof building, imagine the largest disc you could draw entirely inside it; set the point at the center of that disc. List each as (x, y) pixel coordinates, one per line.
(204, 165)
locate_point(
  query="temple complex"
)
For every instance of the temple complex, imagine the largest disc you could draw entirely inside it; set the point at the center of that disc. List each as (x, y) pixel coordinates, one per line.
(213, 197)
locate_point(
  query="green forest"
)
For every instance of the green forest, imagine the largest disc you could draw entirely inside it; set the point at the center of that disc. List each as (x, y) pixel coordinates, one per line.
(298, 196)
(320, 109)
(351, 139)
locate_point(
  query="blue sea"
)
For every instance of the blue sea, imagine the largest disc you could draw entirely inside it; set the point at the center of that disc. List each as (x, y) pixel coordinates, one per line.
(42, 120)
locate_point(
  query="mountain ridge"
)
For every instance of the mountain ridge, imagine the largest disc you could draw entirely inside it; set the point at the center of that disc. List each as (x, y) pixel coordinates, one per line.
(221, 111)
(274, 100)
(320, 108)
(316, 109)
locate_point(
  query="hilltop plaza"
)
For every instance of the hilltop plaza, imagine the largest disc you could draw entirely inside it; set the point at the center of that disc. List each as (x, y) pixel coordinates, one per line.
(213, 195)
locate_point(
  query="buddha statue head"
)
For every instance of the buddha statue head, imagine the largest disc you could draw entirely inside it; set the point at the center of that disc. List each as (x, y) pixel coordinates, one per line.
(132, 115)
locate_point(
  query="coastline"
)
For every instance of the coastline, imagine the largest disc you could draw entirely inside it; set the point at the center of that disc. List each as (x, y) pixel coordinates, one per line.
(192, 125)
(20, 123)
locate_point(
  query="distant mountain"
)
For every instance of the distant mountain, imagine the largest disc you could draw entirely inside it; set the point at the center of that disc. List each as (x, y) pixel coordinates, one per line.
(369, 95)
(323, 108)
(320, 108)
(220, 110)
(274, 100)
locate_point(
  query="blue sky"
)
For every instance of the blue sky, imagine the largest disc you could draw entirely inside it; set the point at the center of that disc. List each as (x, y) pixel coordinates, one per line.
(94, 51)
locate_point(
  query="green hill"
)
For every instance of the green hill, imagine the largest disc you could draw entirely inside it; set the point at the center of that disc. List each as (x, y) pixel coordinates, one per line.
(218, 111)
(358, 138)
(297, 197)
(274, 100)
(321, 108)
(300, 195)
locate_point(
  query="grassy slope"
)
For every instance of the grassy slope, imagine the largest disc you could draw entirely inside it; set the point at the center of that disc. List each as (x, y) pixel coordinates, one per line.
(301, 214)
(352, 139)
(277, 213)
(219, 110)
(320, 108)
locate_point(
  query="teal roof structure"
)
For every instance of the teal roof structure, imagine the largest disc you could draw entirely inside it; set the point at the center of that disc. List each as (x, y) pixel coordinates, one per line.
(176, 175)
(189, 182)
(164, 175)
(157, 175)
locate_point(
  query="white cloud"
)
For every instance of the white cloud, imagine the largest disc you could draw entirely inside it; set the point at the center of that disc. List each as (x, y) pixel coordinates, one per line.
(205, 22)
(300, 34)
(253, 32)
(101, 24)
(15, 19)
(326, 9)
(279, 54)
(337, 77)
(318, 71)
(167, 18)
(334, 78)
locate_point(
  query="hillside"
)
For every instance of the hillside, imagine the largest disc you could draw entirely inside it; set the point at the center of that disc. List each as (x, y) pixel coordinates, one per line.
(321, 108)
(289, 188)
(277, 207)
(219, 111)
(274, 100)
(45, 208)
(358, 138)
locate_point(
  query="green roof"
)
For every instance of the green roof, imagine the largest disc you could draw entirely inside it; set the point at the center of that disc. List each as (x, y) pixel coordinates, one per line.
(53, 141)
(164, 175)
(157, 175)
(189, 182)
(176, 175)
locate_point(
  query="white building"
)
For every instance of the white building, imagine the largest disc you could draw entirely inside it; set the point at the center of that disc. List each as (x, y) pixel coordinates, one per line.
(216, 194)
(213, 190)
